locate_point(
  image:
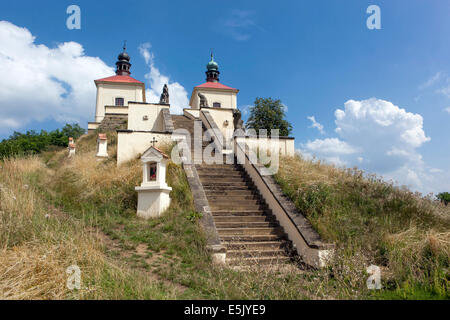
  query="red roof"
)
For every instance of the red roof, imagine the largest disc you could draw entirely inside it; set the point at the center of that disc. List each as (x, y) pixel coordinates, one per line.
(163, 154)
(214, 85)
(116, 78)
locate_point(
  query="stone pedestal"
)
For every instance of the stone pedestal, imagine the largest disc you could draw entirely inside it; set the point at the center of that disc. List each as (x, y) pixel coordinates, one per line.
(71, 150)
(152, 201)
(102, 146)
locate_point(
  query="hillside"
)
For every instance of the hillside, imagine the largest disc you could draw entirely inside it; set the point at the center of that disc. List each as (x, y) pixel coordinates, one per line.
(57, 212)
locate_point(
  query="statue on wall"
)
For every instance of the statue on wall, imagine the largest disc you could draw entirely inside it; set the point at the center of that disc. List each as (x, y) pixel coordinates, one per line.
(203, 101)
(164, 99)
(237, 121)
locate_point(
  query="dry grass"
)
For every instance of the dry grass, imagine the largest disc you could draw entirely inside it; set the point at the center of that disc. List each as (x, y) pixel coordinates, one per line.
(38, 242)
(372, 222)
(37, 245)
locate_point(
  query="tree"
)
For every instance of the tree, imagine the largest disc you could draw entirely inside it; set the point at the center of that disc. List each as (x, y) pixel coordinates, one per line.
(74, 131)
(444, 197)
(268, 113)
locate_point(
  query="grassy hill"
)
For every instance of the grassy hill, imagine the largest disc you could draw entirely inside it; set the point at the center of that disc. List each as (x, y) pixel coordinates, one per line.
(56, 212)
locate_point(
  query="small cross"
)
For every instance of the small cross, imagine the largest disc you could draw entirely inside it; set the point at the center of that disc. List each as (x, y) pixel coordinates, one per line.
(154, 141)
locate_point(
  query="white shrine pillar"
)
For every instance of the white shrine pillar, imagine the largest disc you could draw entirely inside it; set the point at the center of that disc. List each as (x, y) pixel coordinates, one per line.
(102, 146)
(153, 193)
(71, 149)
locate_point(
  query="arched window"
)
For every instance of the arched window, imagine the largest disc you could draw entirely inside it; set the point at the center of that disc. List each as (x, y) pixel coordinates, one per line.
(216, 105)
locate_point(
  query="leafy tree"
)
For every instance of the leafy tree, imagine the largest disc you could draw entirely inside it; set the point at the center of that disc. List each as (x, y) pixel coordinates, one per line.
(74, 131)
(444, 197)
(268, 113)
(33, 142)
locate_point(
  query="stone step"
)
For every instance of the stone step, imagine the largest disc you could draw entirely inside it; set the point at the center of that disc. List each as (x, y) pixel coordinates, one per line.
(246, 224)
(256, 253)
(231, 198)
(229, 193)
(238, 203)
(236, 207)
(221, 219)
(248, 245)
(237, 212)
(219, 173)
(249, 238)
(216, 166)
(250, 231)
(214, 187)
(224, 184)
(258, 261)
(221, 180)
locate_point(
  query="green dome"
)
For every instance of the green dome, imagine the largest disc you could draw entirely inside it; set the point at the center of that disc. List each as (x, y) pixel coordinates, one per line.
(212, 65)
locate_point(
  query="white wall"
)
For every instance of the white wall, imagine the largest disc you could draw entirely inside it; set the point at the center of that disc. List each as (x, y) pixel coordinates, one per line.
(116, 110)
(191, 112)
(220, 116)
(284, 145)
(131, 144)
(108, 92)
(226, 98)
(137, 112)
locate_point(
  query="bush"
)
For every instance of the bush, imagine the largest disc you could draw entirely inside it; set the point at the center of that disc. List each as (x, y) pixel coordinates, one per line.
(32, 142)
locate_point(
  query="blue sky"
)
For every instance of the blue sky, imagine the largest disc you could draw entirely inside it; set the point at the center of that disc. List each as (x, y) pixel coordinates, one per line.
(313, 55)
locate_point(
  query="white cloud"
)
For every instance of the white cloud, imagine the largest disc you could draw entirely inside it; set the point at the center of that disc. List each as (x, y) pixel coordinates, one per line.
(316, 124)
(239, 24)
(447, 110)
(381, 138)
(445, 91)
(434, 79)
(178, 95)
(330, 146)
(40, 83)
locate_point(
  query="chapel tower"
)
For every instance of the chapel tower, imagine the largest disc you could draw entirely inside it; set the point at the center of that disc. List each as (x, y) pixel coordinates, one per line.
(123, 64)
(115, 92)
(212, 70)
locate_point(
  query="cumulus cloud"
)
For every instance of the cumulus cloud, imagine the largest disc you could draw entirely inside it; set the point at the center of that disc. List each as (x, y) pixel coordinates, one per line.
(381, 138)
(316, 124)
(40, 83)
(330, 146)
(178, 94)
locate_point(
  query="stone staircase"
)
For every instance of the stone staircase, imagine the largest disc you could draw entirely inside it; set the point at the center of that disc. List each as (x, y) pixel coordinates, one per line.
(113, 122)
(245, 225)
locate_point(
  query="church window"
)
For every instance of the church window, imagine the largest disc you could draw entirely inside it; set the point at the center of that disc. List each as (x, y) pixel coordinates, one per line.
(119, 102)
(216, 105)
